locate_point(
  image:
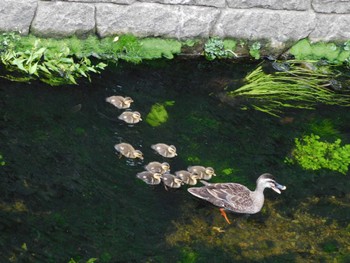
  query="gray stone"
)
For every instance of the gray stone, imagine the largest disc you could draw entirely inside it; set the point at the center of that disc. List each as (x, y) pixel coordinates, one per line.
(122, 2)
(60, 19)
(331, 27)
(214, 3)
(17, 15)
(271, 4)
(278, 26)
(331, 6)
(197, 21)
(147, 19)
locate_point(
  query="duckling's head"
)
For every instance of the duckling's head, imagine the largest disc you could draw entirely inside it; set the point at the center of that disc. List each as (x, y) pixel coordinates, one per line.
(128, 100)
(172, 149)
(136, 115)
(210, 171)
(267, 180)
(178, 181)
(138, 154)
(165, 167)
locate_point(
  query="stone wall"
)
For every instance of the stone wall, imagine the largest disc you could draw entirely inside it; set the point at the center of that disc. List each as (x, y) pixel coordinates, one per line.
(274, 20)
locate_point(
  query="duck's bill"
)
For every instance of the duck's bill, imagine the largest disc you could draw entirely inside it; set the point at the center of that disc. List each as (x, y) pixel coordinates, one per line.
(278, 187)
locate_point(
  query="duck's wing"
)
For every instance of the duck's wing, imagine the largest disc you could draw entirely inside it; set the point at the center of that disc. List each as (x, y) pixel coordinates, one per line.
(231, 196)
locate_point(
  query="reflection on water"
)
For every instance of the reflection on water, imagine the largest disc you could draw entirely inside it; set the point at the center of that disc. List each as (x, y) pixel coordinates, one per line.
(66, 194)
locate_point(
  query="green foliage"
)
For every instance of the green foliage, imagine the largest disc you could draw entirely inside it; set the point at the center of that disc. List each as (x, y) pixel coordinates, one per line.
(324, 128)
(313, 154)
(2, 162)
(217, 48)
(158, 114)
(228, 171)
(91, 260)
(153, 48)
(64, 61)
(54, 68)
(304, 50)
(188, 256)
(254, 50)
(301, 86)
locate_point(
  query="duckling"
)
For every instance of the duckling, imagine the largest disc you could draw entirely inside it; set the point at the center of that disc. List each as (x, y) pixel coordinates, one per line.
(203, 172)
(171, 180)
(165, 150)
(157, 167)
(149, 177)
(187, 177)
(128, 151)
(120, 102)
(130, 117)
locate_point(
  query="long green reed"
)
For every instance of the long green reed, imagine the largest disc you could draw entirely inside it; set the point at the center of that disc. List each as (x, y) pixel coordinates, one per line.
(300, 86)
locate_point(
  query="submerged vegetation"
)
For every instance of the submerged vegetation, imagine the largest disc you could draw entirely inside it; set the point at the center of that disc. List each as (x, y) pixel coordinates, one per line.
(298, 84)
(158, 113)
(313, 154)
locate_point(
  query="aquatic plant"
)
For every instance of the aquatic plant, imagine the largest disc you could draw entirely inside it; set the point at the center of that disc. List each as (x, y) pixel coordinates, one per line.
(305, 50)
(158, 114)
(313, 154)
(299, 86)
(2, 162)
(91, 260)
(254, 50)
(217, 48)
(324, 128)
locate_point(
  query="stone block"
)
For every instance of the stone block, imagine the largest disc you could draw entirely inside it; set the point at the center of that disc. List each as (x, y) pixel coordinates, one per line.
(331, 27)
(277, 26)
(332, 6)
(17, 15)
(214, 3)
(271, 4)
(197, 21)
(121, 2)
(149, 19)
(61, 19)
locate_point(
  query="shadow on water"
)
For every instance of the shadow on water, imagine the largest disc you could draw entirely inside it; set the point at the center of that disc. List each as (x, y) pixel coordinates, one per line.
(66, 194)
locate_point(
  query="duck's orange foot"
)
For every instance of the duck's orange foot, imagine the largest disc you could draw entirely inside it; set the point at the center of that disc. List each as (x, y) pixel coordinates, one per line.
(223, 213)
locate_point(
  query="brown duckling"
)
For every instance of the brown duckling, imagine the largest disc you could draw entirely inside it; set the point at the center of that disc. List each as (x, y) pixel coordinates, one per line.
(203, 172)
(130, 117)
(157, 167)
(171, 181)
(120, 102)
(128, 151)
(187, 177)
(149, 177)
(165, 150)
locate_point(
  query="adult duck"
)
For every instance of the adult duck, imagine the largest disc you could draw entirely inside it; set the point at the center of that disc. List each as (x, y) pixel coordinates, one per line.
(236, 197)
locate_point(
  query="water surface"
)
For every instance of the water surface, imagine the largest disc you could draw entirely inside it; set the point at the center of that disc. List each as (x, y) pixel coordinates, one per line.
(66, 194)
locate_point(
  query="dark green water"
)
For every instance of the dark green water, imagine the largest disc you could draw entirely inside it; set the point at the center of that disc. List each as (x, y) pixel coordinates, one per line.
(66, 194)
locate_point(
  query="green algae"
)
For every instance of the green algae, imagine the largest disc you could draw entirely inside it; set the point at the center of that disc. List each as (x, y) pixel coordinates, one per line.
(158, 113)
(313, 154)
(265, 238)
